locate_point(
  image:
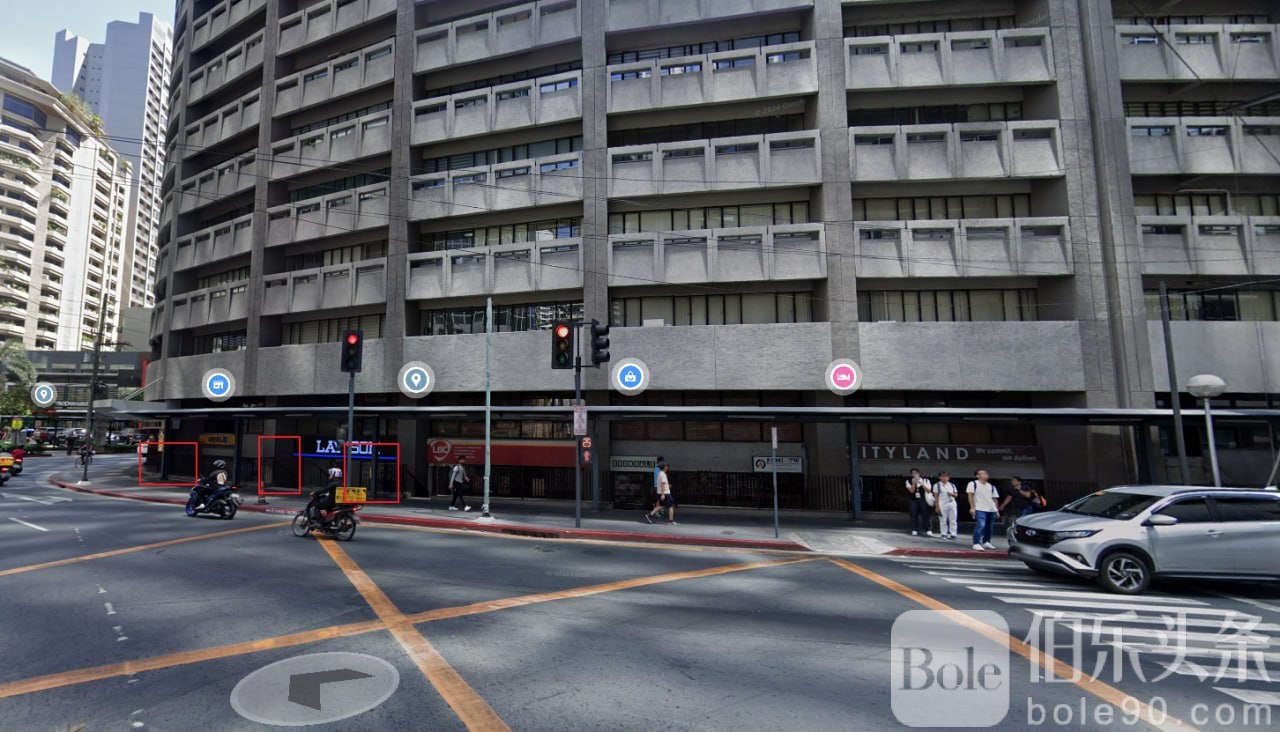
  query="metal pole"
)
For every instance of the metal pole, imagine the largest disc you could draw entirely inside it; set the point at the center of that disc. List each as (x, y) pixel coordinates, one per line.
(577, 451)
(488, 397)
(1178, 436)
(774, 460)
(1213, 444)
(93, 389)
(855, 473)
(351, 424)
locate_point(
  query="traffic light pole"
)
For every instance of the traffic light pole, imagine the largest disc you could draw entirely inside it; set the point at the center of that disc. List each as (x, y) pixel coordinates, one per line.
(577, 451)
(93, 394)
(351, 425)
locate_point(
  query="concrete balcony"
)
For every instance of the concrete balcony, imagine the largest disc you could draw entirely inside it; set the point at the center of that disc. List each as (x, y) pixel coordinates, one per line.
(517, 29)
(1245, 354)
(964, 248)
(210, 306)
(338, 77)
(222, 17)
(1199, 52)
(1210, 245)
(233, 119)
(325, 288)
(362, 137)
(337, 213)
(550, 180)
(1021, 149)
(628, 14)
(1204, 145)
(232, 177)
(215, 243)
(783, 70)
(531, 266)
(543, 101)
(1010, 56)
(747, 254)
(1050, 356)
(242, 59)
(321, 21)
(725, 163)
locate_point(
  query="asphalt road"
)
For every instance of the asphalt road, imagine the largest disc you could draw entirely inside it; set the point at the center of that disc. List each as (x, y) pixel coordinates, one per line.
(119, 615)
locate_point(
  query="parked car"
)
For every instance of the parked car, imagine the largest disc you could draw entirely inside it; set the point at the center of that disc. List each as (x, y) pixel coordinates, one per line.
(1125, 536)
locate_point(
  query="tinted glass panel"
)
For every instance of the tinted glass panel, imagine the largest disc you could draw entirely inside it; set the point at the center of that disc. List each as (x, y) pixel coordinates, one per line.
(1248, 508)
(1190, 511)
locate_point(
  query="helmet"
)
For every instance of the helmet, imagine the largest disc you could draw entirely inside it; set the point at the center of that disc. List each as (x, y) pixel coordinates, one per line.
(219, 464)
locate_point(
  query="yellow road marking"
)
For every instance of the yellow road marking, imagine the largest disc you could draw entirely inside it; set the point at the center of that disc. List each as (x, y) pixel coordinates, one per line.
(97, 673)
(524, 600)
(471, 709)
(1065, 671)
(596, 542)
(132, 549)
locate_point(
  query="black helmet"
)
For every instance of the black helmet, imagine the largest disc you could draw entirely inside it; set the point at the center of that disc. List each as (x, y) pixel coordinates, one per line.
(219, 464)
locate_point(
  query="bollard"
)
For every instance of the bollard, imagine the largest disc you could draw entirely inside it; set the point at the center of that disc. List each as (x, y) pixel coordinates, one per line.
(262, 498)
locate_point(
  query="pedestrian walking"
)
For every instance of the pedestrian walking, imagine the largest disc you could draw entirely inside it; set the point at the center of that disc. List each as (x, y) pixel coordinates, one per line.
(983, 508)
(458, 480)
(920, 491)
(665, 499)
(1019, 497)
(657, 476)
(946, 505)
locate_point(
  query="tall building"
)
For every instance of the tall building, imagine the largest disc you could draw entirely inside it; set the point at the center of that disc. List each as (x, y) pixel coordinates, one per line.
(974, 200)
(62, 226)
(125, 81)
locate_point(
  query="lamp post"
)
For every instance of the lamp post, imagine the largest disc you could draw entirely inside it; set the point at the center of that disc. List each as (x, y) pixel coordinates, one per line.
(1206, 387)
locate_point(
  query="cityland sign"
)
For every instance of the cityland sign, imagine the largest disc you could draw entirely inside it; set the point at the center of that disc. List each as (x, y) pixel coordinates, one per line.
(988, 454)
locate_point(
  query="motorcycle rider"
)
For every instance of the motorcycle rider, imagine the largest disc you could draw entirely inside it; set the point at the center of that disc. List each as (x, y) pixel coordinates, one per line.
(324, 500)
(215, 480)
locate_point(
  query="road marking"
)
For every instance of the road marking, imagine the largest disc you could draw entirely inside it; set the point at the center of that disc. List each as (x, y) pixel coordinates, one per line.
(1068, 602)
(489, 606)
(130, 550)
(1250, 601)
(28, 525)
(1145, 603)
(49, 501)
(1253, 696)
(1051, 664)
(593, 542)
(1245, 620)
(472, 710)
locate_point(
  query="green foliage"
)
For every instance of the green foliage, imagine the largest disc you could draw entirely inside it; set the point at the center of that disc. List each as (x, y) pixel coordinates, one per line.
(18, 372)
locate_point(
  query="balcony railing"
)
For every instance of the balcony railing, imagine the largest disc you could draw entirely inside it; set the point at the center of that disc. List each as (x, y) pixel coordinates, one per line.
(319, 22)
(511, 30)
(783, 252)
(552, 264)
(215, 243)
(1204, 145)
(1199, 52)
(324, 288)
(1210, 245)
(232, 177)
(1021, 149)
(226, 68)
(1011, 56)
(550, 180)
(627, 14)
(535, 102)
(340, 76)
(221, 18)
(787, 69)
(337, 213)
(339, 143)
(727, 163)
(1008, 247)
(238, 116)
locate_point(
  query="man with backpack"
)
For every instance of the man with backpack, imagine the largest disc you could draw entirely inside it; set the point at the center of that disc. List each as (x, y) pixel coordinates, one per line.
(458, 480)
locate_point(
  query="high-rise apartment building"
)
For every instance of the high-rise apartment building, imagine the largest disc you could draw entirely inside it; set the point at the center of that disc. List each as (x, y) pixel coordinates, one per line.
(125, 81)
(62, 225)
(975, 200)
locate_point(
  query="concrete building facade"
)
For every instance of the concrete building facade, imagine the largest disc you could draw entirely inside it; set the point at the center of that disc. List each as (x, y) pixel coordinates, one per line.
(125, 81)
(972, 199)
(65, 202)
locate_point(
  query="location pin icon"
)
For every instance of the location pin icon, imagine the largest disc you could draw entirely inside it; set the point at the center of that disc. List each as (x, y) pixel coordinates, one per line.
(416, 378)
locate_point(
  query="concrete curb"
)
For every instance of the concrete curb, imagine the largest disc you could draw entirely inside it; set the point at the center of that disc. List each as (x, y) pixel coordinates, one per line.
(966, 553)
(540, 532)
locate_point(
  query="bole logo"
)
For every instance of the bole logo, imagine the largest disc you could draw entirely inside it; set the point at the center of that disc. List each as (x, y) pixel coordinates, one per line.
(945, 673)
(440, 449)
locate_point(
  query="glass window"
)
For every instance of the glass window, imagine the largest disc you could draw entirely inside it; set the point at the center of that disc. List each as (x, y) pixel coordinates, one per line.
(1189, 511)
(1248, 508)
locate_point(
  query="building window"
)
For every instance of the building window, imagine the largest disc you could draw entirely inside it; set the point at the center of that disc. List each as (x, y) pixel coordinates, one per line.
(733, 309)
(707, 130)
(508, 78)
(699, 49)
(331, 330)
(630, 75)
(506, 318)
(710, 217)
(566, 228)
(236, 340)
(931, 115)
(336, 256)
(23, 108)
(1217, 305)
(508, 154)
(946, 306)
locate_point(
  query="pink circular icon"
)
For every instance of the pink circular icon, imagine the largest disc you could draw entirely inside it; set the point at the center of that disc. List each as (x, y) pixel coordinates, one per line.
(844, 377)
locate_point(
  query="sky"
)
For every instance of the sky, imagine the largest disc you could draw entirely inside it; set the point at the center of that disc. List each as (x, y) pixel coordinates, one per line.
(26, 37)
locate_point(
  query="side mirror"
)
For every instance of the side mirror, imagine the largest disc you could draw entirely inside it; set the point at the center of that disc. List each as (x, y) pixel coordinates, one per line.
(1160, 519)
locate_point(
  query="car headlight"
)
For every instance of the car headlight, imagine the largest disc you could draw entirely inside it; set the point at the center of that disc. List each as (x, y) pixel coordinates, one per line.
(1081, 534)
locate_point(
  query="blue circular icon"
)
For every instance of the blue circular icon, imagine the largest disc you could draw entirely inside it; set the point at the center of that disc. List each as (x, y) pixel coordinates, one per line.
(43, 393)
(630, 377)
(416, 379)
(218, 385)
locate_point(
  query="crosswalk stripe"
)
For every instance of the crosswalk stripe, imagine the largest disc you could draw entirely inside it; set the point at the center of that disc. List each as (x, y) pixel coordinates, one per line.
(1246, 657)
(1066, 602)
(1252, 696)
(1244, 621)
(1187, 668)
(1146, 601)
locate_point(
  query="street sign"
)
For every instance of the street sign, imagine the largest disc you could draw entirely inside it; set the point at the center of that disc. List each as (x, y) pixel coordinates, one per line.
(218, 385)
(784, 464)
(416, 379)
(774, 432)
(43, 394)
(630, 376)
(843, 377)
(579, 421)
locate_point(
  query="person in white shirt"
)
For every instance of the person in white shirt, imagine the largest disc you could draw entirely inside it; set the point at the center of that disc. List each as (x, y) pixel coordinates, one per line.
(918, 488)
(984, 507)
(458, 480)
(665, 499)
(945, 504)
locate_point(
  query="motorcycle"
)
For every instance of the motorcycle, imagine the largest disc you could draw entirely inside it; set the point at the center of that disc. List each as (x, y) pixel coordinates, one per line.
(340, 522)
(223, 502)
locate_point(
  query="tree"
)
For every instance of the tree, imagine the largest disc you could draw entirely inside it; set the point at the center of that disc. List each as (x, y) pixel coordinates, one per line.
(18, 374)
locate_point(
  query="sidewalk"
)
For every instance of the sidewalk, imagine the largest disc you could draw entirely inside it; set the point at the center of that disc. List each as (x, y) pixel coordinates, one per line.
(827, 533)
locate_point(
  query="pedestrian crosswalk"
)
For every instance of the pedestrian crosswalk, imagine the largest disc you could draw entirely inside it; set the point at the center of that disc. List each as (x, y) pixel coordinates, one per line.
(1237, 653)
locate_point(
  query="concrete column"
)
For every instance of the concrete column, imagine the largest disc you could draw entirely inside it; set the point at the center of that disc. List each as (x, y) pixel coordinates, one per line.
(595, 171)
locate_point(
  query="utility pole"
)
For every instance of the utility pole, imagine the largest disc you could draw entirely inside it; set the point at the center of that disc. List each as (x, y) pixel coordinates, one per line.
(1173, 385)
(93, 392)
(488, 399)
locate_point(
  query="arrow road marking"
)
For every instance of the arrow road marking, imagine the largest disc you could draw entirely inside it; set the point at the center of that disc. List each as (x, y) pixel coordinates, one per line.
(30, 526)
(304, 689)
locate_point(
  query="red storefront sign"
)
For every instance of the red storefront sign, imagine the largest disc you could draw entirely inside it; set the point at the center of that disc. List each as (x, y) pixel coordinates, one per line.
(517, 453)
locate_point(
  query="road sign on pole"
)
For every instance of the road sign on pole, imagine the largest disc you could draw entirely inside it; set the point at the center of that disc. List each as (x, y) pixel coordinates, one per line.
(579, 421)
(775, 481)
(844, 377)
(43, 394)
(416, 379)
(630, 376)
(218, 385)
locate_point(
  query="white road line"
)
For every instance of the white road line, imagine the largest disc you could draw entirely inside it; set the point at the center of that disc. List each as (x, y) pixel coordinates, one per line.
(1188, 668)
(1250, 601)
(1243, 621)
(1066, 602)
(1252, 696)
(43, 501)
(1246, 657)
(1144, 603)
(29, 526)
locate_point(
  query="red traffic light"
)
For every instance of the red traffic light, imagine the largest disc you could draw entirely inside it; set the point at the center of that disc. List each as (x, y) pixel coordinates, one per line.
(562, 331)
(353, 339)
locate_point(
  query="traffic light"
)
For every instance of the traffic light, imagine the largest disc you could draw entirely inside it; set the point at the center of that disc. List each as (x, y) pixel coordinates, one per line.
(562, 346)
(599, 343)
(352, 351)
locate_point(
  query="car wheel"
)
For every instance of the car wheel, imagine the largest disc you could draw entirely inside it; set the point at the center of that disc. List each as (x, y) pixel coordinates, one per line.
(1124, 573)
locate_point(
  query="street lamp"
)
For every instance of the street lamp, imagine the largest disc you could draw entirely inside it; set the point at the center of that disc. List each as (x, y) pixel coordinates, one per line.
(1206, 387)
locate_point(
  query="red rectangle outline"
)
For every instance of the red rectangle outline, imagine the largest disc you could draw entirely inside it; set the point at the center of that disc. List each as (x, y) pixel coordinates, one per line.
(298, 438)
(346, 451)
(188, 483)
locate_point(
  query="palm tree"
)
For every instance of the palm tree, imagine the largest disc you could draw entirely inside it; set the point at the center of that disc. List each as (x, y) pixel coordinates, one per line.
(18, 374)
